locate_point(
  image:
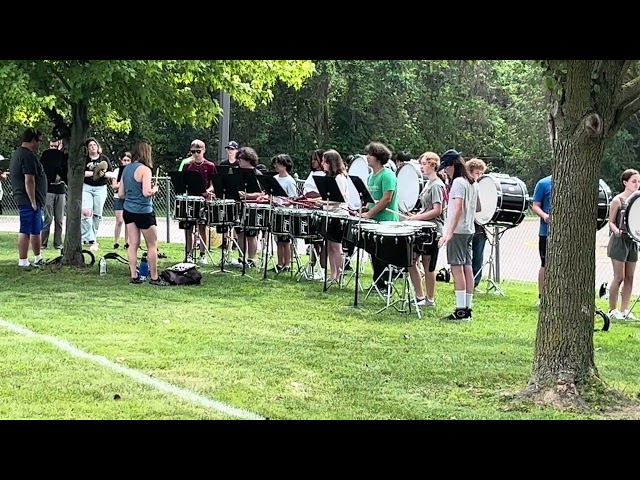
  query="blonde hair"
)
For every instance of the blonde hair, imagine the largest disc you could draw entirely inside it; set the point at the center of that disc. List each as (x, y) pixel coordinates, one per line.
(476, 164)
(431, 158)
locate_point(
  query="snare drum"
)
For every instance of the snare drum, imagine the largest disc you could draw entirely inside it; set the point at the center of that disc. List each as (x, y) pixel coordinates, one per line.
(256, 216)
(394, 245)
(222, 212)
(330, 224)
(604, 204)
(294, 222)
(410, 184)
(503, 200)
(189, 208)
(350, 230)
(426, 234)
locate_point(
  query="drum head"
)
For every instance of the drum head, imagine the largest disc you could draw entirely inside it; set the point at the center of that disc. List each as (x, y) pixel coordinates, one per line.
(488, 195)
(408, 187)
(359, 168)
(632, 216)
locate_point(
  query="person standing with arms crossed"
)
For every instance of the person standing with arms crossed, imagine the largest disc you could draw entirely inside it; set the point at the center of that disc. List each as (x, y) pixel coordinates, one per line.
(383, 186)
(542, 208)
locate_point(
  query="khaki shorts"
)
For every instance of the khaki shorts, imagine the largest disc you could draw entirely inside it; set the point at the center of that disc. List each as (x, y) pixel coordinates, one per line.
(460, 249)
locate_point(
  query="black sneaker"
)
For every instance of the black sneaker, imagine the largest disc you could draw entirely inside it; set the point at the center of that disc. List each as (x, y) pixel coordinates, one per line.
(116, 246)
(459, 314)
(158, 282)
(135, 281)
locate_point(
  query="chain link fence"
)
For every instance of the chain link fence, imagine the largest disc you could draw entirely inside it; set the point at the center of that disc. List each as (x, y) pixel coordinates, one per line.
(515, 257)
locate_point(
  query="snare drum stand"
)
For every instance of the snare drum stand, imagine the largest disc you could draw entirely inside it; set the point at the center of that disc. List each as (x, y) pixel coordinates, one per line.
(358, 286)
(493, 277)
(225, 225)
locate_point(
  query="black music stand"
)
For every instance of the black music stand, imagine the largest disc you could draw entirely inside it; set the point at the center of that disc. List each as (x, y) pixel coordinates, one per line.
(271, 187)
(249, 185)
(365, 198)
(225, 187)
(187, 183)
(329, 192)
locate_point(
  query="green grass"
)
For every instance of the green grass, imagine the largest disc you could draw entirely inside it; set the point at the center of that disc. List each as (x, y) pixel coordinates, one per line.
(280, 348)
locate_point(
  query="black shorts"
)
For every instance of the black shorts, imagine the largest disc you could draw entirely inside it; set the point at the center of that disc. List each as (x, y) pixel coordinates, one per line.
(248, 233)
(542, 248)
(143, 221)
(430, 250)
(283, 239)
(335, 231)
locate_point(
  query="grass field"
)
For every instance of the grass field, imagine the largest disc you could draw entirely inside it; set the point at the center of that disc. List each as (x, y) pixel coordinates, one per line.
(278, 348)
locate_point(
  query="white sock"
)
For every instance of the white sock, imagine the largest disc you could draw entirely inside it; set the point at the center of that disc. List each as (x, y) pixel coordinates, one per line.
(37, 258)
(23, 262)
(461, 299)
(469, 300)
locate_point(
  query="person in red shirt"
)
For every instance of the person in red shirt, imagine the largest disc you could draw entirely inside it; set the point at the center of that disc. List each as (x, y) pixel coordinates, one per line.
(206, 168)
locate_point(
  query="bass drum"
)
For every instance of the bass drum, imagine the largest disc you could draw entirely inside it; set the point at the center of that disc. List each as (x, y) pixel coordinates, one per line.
(359, 168)
(604, 204)
(504, 200)
(631, 216)
(410, 184)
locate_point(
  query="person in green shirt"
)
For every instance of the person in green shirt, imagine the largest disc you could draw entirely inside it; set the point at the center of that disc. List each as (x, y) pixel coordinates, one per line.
(383, 185)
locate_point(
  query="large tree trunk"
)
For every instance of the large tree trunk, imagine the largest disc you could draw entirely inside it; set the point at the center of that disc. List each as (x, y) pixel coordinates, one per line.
(578, 124)
(79, 131)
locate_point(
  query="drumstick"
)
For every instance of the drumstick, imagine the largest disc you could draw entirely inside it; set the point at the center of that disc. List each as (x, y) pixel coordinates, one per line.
(397, 213)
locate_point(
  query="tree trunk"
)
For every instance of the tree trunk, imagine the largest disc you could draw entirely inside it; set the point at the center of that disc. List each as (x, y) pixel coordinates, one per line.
(73, 238)
(564, 353)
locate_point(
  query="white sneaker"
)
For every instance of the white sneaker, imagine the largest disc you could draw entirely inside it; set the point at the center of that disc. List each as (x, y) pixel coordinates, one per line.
(616, 314)
(429, 303)
(630, 316)
(236, 263)
(318, 275)
(203, 260)
(421, 303)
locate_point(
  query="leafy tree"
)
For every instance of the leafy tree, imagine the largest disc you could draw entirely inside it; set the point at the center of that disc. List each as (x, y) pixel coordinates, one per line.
(102, 93)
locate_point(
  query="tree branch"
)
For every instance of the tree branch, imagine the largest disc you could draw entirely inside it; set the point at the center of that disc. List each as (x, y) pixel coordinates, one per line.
(65, 84)
(624, 113)
(630, 90)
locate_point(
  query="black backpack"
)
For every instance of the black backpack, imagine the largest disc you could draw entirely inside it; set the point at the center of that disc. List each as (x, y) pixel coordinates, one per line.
(182, 274)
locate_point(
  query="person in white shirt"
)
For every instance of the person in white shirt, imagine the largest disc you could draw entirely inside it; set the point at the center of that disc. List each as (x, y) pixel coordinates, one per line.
(283, 164)
(310, 190)
(334, 167)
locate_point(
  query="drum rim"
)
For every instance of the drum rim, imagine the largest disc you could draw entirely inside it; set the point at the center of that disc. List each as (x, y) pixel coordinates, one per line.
(629, 204)
(419, 177)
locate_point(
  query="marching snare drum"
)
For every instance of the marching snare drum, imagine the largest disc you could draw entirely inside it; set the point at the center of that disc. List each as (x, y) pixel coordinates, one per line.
(630, 214)
(426, 234)
(503, 199)
(222, 212)
(410, 184)
(604, 204)
(350, 232)
(295, 222)
(189, 208)
(256, 216)
(330, 224)
(394, 245)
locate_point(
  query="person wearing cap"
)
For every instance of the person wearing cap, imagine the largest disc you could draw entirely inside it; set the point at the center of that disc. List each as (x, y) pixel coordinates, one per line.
(459, 230)
(232, 149)
(383, 186)
(542, 208)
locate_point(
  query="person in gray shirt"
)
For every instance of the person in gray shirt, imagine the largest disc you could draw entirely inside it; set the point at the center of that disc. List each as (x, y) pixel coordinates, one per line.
(459, 229)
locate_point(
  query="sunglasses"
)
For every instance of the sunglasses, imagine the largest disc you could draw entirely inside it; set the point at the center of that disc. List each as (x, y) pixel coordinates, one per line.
(196, 151)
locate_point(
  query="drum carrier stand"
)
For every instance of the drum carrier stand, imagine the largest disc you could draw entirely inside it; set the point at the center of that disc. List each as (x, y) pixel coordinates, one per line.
(226, 187)
(493, 276)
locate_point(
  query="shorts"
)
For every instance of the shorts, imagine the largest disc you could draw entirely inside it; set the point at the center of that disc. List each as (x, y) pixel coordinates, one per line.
(144, 221)
(542, 249)
(335, 231)
(460, 249)
(31, 221)
(248, 233)
(430, 251)
(118, 204)
(283, 239)
(622, 249)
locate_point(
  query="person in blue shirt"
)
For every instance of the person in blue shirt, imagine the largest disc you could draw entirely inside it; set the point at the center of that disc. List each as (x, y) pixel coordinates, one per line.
(542, 208)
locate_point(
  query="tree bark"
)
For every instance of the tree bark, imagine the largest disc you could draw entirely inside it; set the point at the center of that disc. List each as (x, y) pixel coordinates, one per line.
(564, 352)
(73, 238)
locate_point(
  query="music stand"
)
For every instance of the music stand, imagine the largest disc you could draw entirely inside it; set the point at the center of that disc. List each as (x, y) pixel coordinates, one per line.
(271, 187)
(329, 192)
(365, 198)
(188, 183)
(226, 187)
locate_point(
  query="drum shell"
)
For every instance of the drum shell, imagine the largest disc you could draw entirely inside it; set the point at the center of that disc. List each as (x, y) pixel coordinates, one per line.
(395, 249)
(222, 212)
(350, 233)
(298, 223)
(330, 225)
(512, 201)
(604, 204)
(256, 216)
(189, 208)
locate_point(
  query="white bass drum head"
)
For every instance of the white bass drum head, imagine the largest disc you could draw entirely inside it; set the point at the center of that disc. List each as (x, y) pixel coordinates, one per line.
(488, 195)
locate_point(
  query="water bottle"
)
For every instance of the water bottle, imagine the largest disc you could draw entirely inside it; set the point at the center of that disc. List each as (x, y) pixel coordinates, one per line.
(103, 266)
(144, 267)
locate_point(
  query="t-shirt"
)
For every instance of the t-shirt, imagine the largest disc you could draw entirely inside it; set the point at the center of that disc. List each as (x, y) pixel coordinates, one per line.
(91, 165)
(205, 169)
(309, 184)
(434, 193)
(227, 163)
(183, 163)
(468, 192)
(381, 182)
(542, 194)
(54, 162)
(116, 172)
(288, 184)
(24, 162)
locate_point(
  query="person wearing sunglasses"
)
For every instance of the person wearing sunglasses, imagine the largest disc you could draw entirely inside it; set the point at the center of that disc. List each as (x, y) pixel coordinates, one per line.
(205, 168)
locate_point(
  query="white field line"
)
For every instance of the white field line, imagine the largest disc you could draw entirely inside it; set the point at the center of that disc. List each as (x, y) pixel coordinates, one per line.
(135, 374)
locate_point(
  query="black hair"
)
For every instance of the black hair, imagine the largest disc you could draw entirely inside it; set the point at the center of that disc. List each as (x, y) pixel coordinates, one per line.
(31, 134)
(283, 159)
(403, 156)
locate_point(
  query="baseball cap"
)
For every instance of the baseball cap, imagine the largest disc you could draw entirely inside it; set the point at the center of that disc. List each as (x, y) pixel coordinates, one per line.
(232, 145)
(447, 158)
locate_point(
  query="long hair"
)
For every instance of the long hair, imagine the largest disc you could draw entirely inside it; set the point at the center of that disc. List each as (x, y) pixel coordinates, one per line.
(336, 165)
(626, 175)
(142, 154)
(316, 155)
(460, 170)
(284, 160)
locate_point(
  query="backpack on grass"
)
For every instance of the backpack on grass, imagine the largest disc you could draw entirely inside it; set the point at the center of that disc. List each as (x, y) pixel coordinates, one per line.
(182, 274)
